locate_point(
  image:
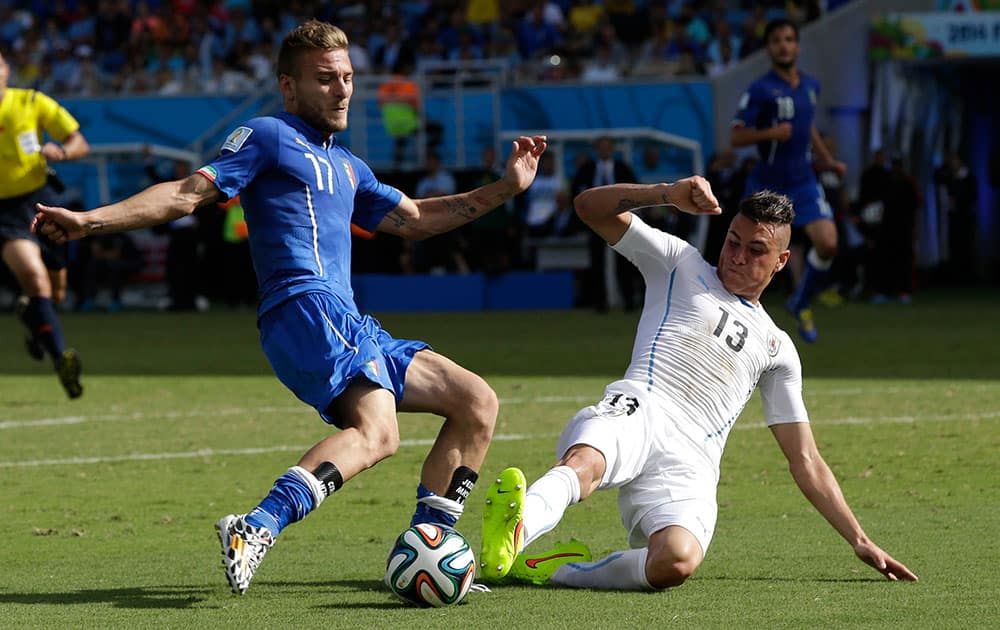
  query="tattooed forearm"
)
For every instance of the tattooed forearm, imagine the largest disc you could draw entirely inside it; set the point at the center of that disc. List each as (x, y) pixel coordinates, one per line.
(490, 200)
(397, 218)
(459, 206)
(628, 204)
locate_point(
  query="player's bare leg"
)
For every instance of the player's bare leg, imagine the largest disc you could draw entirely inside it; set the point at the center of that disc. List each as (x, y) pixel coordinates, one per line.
(822, 234)
(366, 415)
(436, 384)
(24, 259)
(673, 556)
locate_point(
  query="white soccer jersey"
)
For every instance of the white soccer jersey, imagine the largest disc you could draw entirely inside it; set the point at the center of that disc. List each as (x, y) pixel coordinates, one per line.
(701, 350)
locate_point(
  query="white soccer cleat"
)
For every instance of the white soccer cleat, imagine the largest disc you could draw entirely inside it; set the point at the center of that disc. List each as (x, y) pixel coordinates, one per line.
(243, 547)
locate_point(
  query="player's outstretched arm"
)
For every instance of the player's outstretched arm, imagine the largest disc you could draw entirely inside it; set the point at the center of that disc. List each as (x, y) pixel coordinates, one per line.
(606, 208)
(819, 485)
(743, 136)
(417, 219)
(157, 204)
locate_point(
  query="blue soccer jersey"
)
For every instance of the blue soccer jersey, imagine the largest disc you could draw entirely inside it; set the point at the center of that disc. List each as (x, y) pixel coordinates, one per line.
(771, 100)
(300, 191)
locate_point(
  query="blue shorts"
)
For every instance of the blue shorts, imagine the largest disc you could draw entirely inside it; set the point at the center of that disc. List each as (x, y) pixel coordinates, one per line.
(317, 345)
(807, 198)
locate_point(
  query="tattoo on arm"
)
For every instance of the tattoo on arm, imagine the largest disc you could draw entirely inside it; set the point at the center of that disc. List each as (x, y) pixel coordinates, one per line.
(488, 202)
(397, 218)
(460, 207)
(628, 204)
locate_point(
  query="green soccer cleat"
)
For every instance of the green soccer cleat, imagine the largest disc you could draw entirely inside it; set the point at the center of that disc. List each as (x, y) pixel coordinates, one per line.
(502, 525)
(538, 568)
(68, 370)
(807, 327)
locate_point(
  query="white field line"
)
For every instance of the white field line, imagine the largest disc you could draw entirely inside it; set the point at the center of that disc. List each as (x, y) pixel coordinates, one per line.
(579, 399)
(208, 452)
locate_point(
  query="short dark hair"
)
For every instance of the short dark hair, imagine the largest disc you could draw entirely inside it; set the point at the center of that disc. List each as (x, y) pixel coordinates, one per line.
(766, 206)
(777, 23)
(311, 35)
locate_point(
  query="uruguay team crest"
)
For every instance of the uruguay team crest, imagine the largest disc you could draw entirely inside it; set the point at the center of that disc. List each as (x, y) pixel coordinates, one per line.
(350, 174)
(773, 345)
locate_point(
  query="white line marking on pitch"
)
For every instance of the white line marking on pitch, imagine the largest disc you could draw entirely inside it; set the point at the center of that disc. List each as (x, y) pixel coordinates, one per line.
(208, 452)
(196, 413)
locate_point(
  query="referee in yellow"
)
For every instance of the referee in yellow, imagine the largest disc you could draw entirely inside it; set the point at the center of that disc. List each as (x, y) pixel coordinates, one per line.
(38, 265)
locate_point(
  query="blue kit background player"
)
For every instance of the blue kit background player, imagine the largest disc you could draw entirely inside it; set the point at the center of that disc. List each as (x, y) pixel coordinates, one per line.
(301, 191)
(777, 114)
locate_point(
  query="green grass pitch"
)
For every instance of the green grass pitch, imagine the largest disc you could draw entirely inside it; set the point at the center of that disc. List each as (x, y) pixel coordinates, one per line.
(107, 503)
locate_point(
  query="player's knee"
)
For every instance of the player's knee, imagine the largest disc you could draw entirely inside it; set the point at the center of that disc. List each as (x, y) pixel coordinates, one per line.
(380, 442)
(481, 408)
(588, 463)
(669, 572)
(826, 249)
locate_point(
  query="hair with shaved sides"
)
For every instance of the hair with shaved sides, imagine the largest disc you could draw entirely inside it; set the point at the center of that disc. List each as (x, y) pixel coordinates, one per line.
(311, 35)
(770, 208)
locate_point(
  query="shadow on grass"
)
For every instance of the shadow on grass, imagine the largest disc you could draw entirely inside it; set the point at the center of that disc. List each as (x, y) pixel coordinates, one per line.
(178, 597)
(181, 597)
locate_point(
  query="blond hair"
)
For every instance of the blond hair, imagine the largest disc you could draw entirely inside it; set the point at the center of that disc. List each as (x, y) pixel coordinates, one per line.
(311, 35)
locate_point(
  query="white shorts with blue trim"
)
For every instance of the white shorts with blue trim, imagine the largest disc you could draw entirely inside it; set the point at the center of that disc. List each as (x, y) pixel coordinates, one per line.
(661, 481)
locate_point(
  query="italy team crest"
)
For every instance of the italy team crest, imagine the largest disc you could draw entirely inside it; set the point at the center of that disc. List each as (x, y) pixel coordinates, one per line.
(350, 174)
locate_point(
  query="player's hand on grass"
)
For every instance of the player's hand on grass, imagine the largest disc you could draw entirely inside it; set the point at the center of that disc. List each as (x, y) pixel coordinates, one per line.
(694, 195)
(523, 161)
(893, 569)
(58, 224)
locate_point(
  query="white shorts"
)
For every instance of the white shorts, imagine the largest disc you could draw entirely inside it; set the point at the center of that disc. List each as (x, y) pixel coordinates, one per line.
(661, 480)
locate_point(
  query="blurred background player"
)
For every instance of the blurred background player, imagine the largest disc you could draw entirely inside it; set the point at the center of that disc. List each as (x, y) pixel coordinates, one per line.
(38, 265)
(777, 113)
(600, 170)
(659, 433)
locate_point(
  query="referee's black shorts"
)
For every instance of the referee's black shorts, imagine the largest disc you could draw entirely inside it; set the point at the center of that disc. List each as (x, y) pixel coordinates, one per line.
(16, 214)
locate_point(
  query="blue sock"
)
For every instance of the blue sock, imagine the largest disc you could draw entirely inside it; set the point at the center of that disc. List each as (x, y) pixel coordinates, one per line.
(289, 501)
(43, 323)
(425, 513)
(814, 279)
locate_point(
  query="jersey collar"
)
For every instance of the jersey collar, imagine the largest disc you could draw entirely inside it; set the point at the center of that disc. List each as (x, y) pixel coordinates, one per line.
(310, 132)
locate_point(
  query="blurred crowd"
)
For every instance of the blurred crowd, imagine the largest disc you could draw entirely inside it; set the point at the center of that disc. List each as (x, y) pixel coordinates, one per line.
(101, 47)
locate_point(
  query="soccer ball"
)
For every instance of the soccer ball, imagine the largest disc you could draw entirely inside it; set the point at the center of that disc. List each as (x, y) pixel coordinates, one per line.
(430, 565)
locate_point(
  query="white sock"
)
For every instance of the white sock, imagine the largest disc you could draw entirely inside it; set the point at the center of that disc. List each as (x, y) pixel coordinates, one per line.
(450, 507)
(546, 501)
(821, 264)
(622, 570)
